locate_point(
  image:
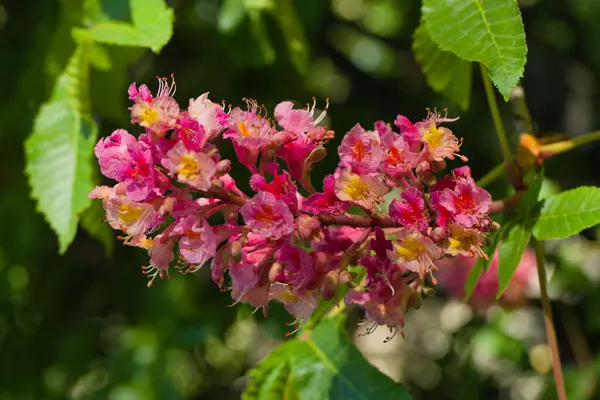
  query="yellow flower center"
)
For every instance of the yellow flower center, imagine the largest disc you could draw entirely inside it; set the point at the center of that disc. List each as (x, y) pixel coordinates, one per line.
(128, 213)
(288, 296)
(188, 167)
(409, 249)
(433, 137)
(454, 243)
(356, 188)
(243, 129)
(149, 116)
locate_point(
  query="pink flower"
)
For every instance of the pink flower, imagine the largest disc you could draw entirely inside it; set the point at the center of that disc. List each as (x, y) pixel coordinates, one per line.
(466, 203)
(157, 114)
(411, 212)
(326, 202)
(361, 150)
(415, 252)
(123, 158)
(362, 190)
(398, 160)
(190, 167)
(299, 266)
(337, 239)
(297, 121)
(464, 241)
(197, 243)
(300, 306)
(281, 186)
(189, 132)
(410, 132)
(309, 138)
(440, 143)
(246, 287)
(249, 132)
(267, 216)
(123, 214)
(210, 116)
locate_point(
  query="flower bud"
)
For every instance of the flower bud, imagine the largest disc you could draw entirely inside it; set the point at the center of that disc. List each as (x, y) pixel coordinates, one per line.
(223, 167)
(438, 165)
(415, 301)
(318, 154)
(230, 213)
(308, 227)
(236, 251)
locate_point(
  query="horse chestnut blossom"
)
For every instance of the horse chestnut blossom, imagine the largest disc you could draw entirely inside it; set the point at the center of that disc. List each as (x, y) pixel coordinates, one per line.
(286, 241)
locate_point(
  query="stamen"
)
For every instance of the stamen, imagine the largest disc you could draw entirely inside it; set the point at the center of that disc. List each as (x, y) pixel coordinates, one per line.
(321, 117)
(394, 331)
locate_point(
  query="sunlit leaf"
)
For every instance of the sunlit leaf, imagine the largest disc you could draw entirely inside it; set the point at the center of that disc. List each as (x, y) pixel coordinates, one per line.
(490, 32)
(568, 213)
(446, 73)
(58, 152)
(231, 15)
(323, 365)
(260, 35)
(293, 32)
(152, 26)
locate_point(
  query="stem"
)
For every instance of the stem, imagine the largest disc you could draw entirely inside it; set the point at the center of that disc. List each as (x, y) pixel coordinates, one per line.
(508, 203)
(499, 127)
(491, 176)
(565, 145)
(548, 321)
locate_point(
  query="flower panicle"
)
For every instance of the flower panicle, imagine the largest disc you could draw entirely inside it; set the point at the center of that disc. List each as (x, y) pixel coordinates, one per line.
(286, 241)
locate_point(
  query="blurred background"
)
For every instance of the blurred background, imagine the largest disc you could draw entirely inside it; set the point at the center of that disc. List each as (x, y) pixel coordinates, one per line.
(85, 326)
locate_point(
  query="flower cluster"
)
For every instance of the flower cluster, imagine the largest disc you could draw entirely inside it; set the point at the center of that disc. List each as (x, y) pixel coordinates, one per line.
(287, 242)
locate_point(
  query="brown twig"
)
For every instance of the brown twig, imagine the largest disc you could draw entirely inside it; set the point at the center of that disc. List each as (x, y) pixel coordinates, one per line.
(548, 321)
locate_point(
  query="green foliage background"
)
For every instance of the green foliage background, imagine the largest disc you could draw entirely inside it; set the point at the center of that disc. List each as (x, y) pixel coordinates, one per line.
(83, 324)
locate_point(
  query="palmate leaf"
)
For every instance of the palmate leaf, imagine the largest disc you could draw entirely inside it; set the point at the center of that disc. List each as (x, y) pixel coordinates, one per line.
(446, 73)
(568, 213)
(58, 152)
(324, 365)
(490, 32)
(152, 26)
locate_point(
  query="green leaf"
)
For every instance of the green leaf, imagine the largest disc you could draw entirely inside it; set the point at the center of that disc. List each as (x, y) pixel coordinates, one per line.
(510, 253)
(293, 32)
(568, 213)
(490, 32)
(231, 15)
(518, 235)
(58, 152)
(324, 365)
(152, 26)
(91, 222)
(260, 34)
(99, 58)
(446, 73)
